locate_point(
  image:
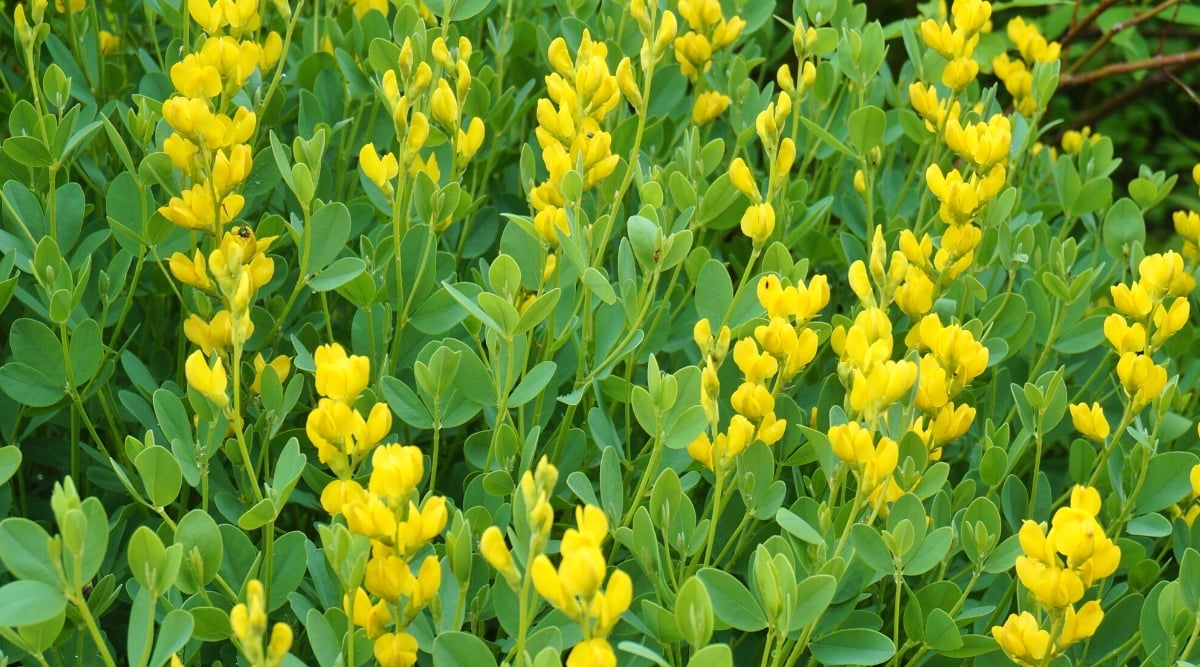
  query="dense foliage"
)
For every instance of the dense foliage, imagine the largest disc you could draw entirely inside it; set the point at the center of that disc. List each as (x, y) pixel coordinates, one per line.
(672, 332)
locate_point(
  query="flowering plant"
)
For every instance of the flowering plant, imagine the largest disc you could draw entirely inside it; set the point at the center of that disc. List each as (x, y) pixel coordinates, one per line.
(605, 332)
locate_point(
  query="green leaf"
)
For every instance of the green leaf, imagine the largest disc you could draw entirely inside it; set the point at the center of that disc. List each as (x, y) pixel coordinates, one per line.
(261, 514)
(29, 602)
(203, 550)
(337, 274)
(35, 344)
(459, 649)
(716, 655)
(866, 128)
(798, 527)
(1123, 226)
(86, 350)
(287, 571)
(854, 646)
(473, 308)
(161, 475)
(732, 601)
(25, 551)
(827, 137)
(404, 403)
(694, 612)
(287, 470)
(330, 229)
(173, 634)
(29, 386)
(147, 556)
(532, 384)
(714, 293)
(28, 151)
(1166, 481)
(941, 633)
(326, 645)
(172, 417)
(10, 462)
(813, 596)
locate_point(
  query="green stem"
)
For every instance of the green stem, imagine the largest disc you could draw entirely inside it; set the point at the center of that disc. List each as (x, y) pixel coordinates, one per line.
(85, 613)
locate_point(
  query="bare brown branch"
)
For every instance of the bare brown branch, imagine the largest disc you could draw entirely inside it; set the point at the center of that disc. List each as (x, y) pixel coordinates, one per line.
(1156, 62)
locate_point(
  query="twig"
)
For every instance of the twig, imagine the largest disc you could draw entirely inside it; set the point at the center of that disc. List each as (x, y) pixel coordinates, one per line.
(1155, 62)
(1116, 29)
(1186, 89)
(1091, 17)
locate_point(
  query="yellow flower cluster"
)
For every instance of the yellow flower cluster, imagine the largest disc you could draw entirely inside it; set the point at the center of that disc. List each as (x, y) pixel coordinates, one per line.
(249, 623)
(233, 273)
(872, 460)
(1057, 568)
(386, 512)
(1149, 311)
(574, 586)
(342, 435)
(582, 94)
(957, 44)
(758, 221)
(209, 144)
(803, 41)
(951, 359)
(1187, 225)
(778, 351)
(710, 32)
(655, 42)
(985, 146)
(402, 94)
(873, 380)
(1016, 74)
(536, 489)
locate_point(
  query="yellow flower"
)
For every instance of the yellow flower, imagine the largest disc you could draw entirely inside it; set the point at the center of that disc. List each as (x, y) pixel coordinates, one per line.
(495, 551)
(758, 222)
(1022, 639)
(211, 382)
(340, 377)
(752, 400)
(397, 470)
(396, 650)
(1079, 625)
(444, 105)
(1123, 336)
(340, 492)
(742, 179)
(1142, 379)
(280, 642)
(694, 53)
(971, 16)
(708, 106)
(1030, 42)
(594, 652)
(755, 366)
(381, 171)
(960, 72)
(1090, 421)
(369, 517)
